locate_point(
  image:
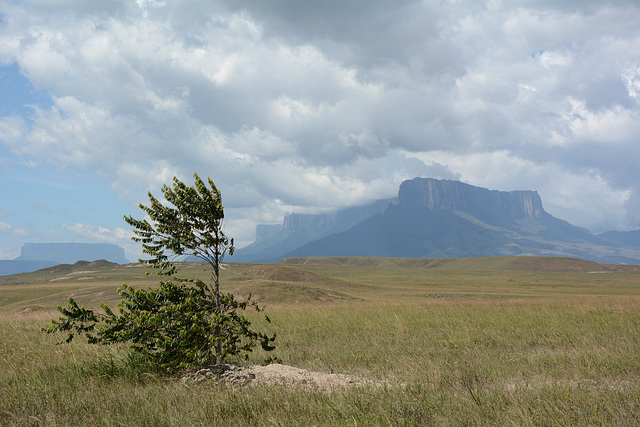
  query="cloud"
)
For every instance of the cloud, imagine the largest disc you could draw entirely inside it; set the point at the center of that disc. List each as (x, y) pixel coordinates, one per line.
(5, 228)
(8, 230)
(308, 105)
(98, 233)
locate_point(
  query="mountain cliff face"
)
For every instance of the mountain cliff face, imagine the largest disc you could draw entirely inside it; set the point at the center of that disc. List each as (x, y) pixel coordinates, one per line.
(443, 219)
(488, 205)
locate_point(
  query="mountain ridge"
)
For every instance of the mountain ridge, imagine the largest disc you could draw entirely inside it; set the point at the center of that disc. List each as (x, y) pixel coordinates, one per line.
(449, 219)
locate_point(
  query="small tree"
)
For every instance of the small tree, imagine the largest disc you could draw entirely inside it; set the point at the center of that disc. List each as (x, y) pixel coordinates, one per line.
(175, 325)
(192, 227)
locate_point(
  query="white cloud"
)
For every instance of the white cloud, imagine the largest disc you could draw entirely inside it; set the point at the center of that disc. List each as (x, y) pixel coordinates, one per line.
(312, 105)
(98, 233)
(631, 77)
(5, 228)
(8, 230)
(19, 232)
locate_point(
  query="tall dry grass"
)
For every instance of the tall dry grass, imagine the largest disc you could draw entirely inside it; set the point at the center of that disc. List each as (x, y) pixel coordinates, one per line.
(436, 362)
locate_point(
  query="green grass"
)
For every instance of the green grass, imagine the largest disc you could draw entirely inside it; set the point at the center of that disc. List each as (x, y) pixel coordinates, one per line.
(445, 347)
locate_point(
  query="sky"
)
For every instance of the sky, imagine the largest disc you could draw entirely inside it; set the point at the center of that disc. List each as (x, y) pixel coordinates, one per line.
(311, 106)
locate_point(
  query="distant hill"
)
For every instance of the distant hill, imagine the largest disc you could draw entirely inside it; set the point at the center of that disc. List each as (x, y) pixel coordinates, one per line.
(506, 263)
(100, 264)
(36, 256)
(449, 219)
(631, 238)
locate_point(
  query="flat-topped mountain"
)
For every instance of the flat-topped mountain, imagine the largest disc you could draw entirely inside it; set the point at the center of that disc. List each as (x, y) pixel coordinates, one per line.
(490, 206)
(36, 256)
(434, 218)
(69, 253)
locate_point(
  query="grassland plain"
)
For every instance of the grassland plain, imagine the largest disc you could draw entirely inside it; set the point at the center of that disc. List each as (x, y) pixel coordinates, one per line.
(493, 341)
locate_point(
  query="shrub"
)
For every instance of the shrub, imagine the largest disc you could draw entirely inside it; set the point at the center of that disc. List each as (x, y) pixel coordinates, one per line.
(180, 323)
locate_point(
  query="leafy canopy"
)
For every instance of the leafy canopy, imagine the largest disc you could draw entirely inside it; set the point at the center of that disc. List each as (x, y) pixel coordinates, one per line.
(192, 226)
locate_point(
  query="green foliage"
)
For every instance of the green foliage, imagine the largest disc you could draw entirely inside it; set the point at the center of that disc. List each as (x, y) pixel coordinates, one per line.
(193, 226)
(175, 325)
(172, 326)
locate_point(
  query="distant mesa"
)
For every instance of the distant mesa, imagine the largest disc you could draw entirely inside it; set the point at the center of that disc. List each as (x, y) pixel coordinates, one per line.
(36, 256)
(434, 218)
(70, 253)
(490, 206)
(296, 230)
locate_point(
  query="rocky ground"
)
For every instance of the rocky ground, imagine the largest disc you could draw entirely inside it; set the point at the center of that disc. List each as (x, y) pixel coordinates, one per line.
(275, 374)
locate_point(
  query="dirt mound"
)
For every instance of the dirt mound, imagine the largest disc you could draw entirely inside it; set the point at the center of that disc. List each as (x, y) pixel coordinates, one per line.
(275, 374)
(80, 266)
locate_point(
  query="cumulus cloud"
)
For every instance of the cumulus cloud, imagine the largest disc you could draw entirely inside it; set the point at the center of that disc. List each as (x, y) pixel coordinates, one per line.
(310, 105)
(98, 233)
(9, 230)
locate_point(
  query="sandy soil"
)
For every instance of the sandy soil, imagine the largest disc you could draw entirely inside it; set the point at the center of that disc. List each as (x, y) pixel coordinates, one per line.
(275, 374)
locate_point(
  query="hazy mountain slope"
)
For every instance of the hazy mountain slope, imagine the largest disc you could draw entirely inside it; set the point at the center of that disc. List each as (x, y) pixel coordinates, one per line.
(631, 238)
(272, 241)
(408, 233)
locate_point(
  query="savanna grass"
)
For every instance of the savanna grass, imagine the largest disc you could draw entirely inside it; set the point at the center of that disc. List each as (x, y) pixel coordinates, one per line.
(522, 360)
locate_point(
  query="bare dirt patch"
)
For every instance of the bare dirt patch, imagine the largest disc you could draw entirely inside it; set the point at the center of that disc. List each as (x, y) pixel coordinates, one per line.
(275, 374)
(60, 278)
(74, 276)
